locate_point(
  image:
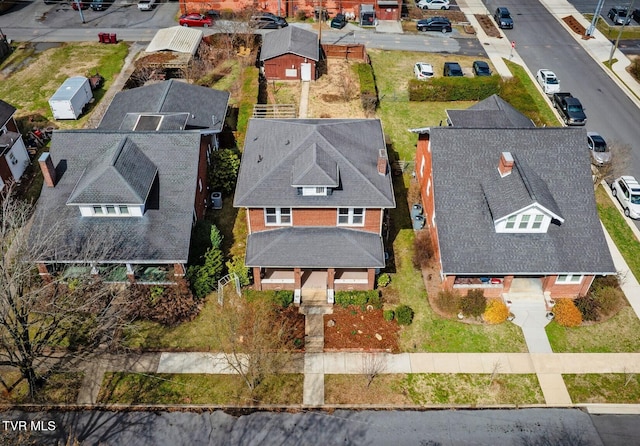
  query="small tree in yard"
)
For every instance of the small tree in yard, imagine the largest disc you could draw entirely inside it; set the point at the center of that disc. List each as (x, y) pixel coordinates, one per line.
(372, 365)
(224, 173)
(422, 249)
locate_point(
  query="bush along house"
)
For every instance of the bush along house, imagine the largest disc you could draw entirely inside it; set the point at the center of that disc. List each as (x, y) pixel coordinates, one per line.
(512, 211)
(315, 191)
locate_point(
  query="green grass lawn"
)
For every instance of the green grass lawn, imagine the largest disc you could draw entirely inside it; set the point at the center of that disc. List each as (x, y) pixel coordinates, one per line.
(60, 388)
(612, 32)
(138, 388)
(612, 388)
(619, 334)
(619, 231)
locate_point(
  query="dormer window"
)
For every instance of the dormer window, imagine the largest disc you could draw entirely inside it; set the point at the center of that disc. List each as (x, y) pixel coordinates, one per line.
(314, 191)
(98, 210)
(529, 220)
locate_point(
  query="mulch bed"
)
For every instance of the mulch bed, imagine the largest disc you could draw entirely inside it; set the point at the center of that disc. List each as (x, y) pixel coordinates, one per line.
(488, 26)
(357, 329)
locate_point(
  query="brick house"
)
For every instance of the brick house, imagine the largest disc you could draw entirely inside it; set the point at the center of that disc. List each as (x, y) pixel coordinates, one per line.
(290, 53)
(511, 210)
(315, 191)
(14, 158)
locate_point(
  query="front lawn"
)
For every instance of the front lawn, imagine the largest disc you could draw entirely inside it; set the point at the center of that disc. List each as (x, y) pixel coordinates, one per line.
(608, 388)
(60, 388)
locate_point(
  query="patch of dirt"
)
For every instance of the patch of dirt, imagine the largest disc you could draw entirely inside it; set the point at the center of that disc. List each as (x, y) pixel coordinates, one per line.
(295, 320)
(336, 94)
(575, 26)
(488, 26)
(357, 329)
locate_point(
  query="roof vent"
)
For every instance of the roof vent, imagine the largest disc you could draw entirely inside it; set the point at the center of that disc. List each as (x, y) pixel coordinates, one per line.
(506, 164)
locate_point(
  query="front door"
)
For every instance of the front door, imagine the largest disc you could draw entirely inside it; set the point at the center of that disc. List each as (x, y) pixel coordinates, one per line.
(305, 71)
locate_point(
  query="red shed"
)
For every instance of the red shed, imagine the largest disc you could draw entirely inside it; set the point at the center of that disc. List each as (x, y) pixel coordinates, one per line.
(290, 53)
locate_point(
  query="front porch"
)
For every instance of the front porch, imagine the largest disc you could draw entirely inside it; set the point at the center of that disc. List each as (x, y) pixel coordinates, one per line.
(143, 274)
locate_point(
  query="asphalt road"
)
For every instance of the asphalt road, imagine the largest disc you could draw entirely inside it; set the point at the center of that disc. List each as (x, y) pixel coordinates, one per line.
(526, 427)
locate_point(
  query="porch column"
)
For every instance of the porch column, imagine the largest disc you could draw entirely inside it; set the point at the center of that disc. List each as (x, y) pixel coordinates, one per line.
(447, 283)
(506, 284)
(547, 283)
(331, 277)
(297, 285)
(179, 270)
(44, 272)
(130, 274)
(371, 278)
(257, 280)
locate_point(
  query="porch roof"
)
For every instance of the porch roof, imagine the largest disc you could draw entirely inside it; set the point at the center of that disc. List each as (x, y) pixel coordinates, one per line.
(315, 247)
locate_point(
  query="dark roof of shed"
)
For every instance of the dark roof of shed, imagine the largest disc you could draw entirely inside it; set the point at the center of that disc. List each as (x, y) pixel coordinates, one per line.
(291, 39)
(6, 112)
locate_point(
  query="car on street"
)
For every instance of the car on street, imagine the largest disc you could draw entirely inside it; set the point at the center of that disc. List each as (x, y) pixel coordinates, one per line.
(99, 5)
(146, 5)
(481, 68)
(548, 81)
(452, 69)
(619, 15)
(627, 190)
(441, 24)
(600, 153)
(502, 16)
(195, 19)
(423, 70)
(339, 21)
(268, 21)
(79, 5)
(433, 4)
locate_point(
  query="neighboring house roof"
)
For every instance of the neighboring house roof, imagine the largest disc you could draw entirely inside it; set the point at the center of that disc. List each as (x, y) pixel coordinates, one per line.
(272, 158)
(315, 247)
(495, 113)
(553, 169)
(161, 235)
(121, 175)
(6, 112)
(207, 107)
(178, 39)
(291, 39)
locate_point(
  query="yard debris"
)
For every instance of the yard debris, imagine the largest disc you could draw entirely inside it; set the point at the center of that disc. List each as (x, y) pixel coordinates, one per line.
(331, 323)
(378, 337)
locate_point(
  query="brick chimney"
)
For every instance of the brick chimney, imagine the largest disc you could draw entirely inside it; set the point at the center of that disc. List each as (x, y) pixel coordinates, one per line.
(506, 164)
(48, 171)
(383, 163)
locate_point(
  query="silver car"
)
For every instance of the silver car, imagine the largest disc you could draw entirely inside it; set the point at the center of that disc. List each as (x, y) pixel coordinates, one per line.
(619, 15)
(600, 154)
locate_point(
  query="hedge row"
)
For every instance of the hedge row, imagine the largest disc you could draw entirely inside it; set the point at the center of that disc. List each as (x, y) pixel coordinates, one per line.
(358, 298)
(368, 90)
(442, 89)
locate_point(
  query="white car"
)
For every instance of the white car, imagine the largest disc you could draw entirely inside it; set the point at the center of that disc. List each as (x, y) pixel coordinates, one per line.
(548, 81)
(627, 190)
(423, 70)
(433, 4)
(146, 5)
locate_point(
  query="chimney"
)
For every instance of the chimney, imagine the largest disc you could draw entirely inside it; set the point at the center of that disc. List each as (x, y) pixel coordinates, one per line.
(48, 171)
(506, 164)
(382, 162)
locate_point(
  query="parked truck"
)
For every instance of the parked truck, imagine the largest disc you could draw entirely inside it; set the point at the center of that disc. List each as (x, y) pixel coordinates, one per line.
(570, 108)
(69, 101)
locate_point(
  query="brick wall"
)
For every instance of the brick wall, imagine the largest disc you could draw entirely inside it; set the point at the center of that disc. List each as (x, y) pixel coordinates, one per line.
(277, 67)
(570, 291)
(316, 217)
(424, 176)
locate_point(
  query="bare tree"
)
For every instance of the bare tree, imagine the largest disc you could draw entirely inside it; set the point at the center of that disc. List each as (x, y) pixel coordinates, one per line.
(45, 325)
(253, 339)
(619, 165)
(373, 364)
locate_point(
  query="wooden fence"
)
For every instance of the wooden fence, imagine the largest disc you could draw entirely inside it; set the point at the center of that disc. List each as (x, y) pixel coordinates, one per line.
(349, 52)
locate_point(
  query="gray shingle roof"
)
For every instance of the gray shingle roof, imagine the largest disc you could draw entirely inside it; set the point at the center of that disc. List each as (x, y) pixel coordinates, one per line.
(495, 113)
(291, 39)
(161, 235)
(120, 175)
(6, 112)
(154, 121)
(315, 167)
(272, 147)
(315, 247)
(463, 159)
(207, 107)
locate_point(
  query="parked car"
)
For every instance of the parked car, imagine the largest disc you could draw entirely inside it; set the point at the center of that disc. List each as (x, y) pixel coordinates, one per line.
(339, 21)
(81, 5)
(146, 5)
(99, 5)
(481, 68)
(635, 15)
(268, 21)
(600, 154)
(452, 69)
(548, 81)
(195, 19)
(441, 24)
(503, 18)
(423, 70)
(569, 108)
(433, 4)
(619, 15)
(627, 190)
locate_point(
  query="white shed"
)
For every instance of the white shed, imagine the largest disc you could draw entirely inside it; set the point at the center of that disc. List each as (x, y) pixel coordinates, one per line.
(69, 100)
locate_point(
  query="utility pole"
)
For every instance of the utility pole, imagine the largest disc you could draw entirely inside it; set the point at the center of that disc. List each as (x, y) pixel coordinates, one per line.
(78, 4)
(624, 23)
(596, 16)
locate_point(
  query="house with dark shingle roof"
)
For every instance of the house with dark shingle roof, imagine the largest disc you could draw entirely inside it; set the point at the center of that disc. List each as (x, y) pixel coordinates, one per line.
(14, 158)
(510, 209)
(315, 191)
(121, 202)
(290, 53)
(492, 112)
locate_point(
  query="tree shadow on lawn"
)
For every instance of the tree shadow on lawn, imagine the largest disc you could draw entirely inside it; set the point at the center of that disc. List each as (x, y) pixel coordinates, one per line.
(399, 218)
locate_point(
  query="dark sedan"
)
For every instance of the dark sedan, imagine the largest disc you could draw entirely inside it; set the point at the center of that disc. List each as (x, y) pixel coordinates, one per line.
(339, 21)
(441, 24)
(481, 68)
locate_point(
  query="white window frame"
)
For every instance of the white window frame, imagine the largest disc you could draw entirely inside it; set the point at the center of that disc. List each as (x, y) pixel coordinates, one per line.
(351, 217)
(278, 214)
(569, 279)
(109, 210)
(314, 191)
